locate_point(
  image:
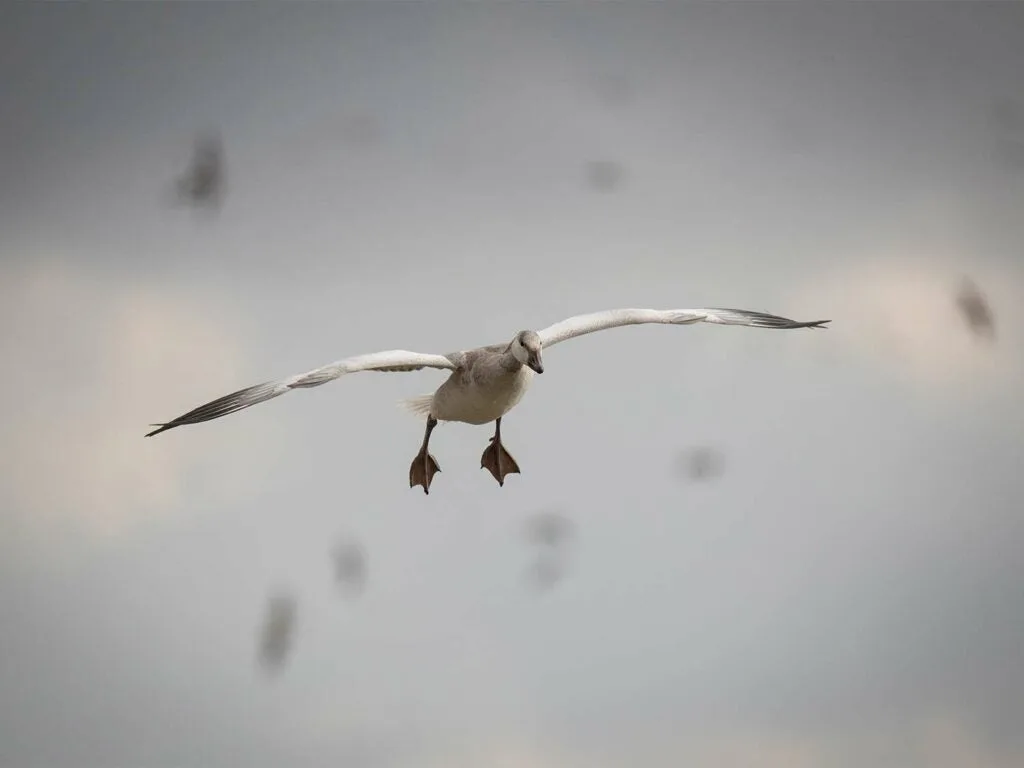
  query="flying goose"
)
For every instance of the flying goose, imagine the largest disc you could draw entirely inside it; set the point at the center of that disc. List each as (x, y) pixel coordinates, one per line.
(484, 384)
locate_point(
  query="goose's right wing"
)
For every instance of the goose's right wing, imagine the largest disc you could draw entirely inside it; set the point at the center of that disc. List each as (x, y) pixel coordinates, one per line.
(580, 325)
(392, 360)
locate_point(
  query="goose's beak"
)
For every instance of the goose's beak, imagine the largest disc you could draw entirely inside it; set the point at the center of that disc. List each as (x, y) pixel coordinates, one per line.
(537, 365)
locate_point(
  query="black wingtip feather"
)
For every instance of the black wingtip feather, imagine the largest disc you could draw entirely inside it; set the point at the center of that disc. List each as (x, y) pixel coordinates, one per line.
(765, 320)
(222, 406)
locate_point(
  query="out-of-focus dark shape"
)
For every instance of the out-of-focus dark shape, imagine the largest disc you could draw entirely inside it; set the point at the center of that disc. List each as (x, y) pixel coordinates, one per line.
(350, 566)
(203, 184)
(975, 310)
(548, 529)
(277, 631)
(546, 571)
(604, 175)
(700, 463)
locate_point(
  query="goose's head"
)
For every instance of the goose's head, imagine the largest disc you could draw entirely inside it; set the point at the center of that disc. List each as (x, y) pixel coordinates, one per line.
(526, 349)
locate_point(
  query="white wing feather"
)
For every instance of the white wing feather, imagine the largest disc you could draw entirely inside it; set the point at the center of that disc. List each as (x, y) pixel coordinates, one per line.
(392, 360)
(613, 318)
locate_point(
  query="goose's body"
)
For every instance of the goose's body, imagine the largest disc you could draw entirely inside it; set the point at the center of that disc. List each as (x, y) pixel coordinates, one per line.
(484, 387)
(484, 383)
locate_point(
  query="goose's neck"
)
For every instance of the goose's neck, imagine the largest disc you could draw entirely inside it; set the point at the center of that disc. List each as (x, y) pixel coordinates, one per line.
(509, 362)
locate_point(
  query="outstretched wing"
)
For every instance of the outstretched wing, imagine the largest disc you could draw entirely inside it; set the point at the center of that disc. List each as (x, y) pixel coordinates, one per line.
(613, 318)
(392, 360)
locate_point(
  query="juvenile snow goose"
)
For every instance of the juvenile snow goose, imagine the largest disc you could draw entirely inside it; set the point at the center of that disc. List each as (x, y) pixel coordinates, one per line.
(484, 384)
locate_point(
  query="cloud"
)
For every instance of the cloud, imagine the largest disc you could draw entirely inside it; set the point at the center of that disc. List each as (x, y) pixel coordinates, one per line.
(937, 741)
(944, 741)
(91, 361)
(898, 308)
(892, 293)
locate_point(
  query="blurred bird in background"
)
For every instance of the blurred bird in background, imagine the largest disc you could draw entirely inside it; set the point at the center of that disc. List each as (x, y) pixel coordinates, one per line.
(349, 566)
(277, 631)
(700, 463)
(975, 310)
(203, 185)
(549, 532)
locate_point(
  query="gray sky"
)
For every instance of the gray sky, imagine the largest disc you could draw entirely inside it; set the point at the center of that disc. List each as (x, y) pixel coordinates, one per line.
(846, 593)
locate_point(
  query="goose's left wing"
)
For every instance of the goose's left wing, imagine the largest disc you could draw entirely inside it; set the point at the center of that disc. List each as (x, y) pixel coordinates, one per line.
(390, 360)
(613, 318)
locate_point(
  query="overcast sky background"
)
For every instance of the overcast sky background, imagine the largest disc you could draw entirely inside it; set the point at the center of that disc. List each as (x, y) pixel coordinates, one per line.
(846, 593)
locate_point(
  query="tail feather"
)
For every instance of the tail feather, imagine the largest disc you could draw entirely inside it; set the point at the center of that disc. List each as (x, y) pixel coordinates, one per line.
(419, 405)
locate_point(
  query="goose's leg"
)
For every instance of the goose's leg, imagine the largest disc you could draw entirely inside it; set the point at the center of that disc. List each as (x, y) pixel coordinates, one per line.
(496, 459)
(424, 465)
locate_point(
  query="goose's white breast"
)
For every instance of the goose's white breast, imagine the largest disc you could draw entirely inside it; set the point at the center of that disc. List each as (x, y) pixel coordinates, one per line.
(481, 403)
